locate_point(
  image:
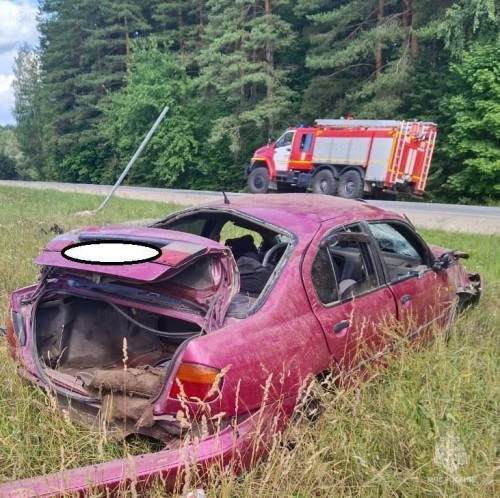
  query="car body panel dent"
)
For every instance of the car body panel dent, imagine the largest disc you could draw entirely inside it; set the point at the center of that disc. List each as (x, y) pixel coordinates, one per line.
(348, 281)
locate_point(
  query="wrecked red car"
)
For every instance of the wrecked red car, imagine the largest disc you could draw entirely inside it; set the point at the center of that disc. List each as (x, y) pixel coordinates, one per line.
(190, 338)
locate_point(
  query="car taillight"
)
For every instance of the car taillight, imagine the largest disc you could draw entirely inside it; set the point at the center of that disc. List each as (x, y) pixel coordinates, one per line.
(196, 382)
(11, 335)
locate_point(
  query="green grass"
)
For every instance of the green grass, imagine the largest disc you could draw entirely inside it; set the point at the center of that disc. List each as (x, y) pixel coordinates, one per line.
(378, 439)
(34, 436)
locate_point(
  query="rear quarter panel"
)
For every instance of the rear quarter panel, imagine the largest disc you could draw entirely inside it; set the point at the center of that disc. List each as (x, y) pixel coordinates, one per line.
(268, 355)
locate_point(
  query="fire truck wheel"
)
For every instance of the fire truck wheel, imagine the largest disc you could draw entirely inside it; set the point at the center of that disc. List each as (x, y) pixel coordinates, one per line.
(258, 181)
(324, 183)
(351, 185)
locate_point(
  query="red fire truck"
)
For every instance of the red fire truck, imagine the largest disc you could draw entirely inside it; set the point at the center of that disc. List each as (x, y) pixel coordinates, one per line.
(346, 157)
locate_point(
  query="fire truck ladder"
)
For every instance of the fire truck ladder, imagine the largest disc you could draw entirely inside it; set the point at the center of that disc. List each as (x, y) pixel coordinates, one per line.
(398, 153)
(431, 141)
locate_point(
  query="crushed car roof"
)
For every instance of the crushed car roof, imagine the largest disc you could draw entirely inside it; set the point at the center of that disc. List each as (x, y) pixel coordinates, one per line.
(302, 213)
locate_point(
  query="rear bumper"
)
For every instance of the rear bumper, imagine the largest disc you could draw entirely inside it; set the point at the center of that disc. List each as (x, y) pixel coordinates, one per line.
(238, 447)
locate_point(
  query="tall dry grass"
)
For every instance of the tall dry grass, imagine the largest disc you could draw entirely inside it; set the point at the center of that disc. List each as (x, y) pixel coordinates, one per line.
(426, 426)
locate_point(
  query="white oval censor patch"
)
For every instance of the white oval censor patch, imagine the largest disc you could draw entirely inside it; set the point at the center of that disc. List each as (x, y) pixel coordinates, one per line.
(120, 252)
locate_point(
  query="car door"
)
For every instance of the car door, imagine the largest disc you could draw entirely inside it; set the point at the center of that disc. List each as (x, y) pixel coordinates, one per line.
(347, 295)
(422, 295)
(283, 150)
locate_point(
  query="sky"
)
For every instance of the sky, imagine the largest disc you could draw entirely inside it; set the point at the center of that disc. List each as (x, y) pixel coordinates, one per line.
(17, 26)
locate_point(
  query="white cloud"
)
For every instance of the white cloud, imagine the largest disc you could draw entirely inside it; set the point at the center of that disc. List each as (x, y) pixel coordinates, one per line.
(6, 99)
(17, 26)
(5, 82)
(7, 62)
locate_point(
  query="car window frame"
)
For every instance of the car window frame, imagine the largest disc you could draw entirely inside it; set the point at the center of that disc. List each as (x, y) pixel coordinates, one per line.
(306, 142)
(428, 257)
(213, 226)
(368, 250)
(280, 143)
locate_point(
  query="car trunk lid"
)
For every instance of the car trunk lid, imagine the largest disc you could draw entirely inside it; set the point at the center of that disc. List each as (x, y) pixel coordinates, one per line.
(193, 268)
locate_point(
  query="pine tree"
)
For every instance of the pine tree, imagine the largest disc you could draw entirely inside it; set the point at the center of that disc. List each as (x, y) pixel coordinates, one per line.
(180, 24)
(361, 53)
(62, 33)
(85, 53)
(241, 66)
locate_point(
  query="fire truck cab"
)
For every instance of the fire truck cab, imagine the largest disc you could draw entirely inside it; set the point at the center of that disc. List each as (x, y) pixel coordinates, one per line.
(346, 157)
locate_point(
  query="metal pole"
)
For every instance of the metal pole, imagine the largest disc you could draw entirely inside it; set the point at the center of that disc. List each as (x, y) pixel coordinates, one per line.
(134, 158)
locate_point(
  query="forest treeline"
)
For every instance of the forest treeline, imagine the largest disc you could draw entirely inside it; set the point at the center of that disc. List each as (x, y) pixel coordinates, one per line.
(237, 72)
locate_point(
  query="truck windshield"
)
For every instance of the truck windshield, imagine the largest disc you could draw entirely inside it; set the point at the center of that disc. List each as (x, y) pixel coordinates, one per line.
(285, 139)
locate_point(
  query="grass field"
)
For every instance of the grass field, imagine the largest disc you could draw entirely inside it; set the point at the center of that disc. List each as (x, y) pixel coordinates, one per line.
(427, 426)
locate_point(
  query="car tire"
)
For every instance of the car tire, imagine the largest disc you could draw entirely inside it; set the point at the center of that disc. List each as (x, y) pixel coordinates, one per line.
(324, 182)
(350, 185)
(258, 181)
(310, 406)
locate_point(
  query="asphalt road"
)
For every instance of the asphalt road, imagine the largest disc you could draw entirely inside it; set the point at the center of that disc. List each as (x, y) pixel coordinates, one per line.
(461, 218)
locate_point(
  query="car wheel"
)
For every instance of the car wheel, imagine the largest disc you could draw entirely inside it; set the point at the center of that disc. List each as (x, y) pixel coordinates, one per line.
(324, 182)
(258, 181)
(310, 405)
(351, 185)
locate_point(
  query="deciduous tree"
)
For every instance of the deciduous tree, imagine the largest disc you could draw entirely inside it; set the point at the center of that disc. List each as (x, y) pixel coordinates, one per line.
(473, 144)
(28, 111)
(156, 79)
